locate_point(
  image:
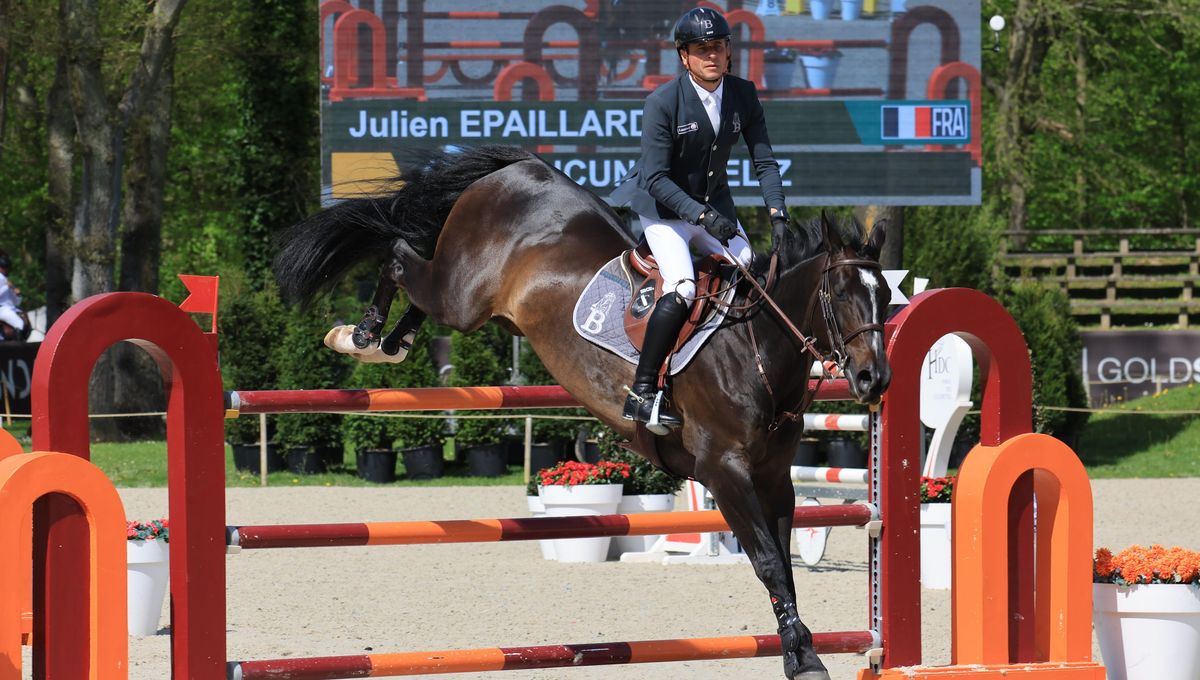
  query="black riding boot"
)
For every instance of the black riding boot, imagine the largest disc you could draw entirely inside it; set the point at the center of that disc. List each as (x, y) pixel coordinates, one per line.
(662, 330)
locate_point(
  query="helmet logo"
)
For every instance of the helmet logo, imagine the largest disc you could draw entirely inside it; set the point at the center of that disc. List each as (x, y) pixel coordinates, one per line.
(707, 24)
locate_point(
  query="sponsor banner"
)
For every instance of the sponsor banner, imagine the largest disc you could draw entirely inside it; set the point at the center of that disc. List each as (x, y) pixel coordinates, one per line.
(16, 374)
(1124, 365)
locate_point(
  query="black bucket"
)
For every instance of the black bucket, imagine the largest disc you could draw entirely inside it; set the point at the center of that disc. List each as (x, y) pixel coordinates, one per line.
(304, 460)
(377, 465)
(246, 458)
(487, 460)
(807, 453)
(423, 462)
(846, 453)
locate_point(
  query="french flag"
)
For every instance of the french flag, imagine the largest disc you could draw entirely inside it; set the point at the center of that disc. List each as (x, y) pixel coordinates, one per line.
(907, 122)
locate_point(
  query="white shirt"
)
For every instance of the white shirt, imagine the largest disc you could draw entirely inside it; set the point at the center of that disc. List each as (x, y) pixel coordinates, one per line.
(711, 102)
(8, 297)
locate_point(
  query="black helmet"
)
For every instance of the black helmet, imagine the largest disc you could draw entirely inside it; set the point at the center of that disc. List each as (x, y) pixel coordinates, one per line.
(5, 262)
(700, 24)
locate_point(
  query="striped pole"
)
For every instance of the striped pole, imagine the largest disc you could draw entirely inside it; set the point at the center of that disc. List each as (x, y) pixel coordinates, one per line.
(836, 422)
(518, 529)
(803, 473)
(549, 656)
(430, 399)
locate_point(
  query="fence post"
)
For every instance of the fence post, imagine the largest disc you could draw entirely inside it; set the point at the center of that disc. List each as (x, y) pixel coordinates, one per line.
(262, 449)
(528, 444)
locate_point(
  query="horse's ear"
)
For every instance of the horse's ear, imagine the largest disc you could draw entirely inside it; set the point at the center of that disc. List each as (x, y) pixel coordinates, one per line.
(830, 235)
(876, 240)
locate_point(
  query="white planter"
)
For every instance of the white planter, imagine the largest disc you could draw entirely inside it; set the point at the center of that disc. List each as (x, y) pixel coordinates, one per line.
(538, 509)
(147, 579)
(1148, 632)
(582, 499)
(935, 545)
(851, 9)
(820, 70)
(820, 9)
(659, 502)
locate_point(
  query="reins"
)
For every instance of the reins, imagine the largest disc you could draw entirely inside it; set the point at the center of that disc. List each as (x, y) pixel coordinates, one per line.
(836, 339)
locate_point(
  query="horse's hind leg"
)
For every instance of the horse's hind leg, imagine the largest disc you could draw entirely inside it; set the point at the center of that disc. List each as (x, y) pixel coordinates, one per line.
(401, 337)
(367, 332)
(755, 517)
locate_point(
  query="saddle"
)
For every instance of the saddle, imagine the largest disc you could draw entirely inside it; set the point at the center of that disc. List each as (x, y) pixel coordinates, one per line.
(646, 286)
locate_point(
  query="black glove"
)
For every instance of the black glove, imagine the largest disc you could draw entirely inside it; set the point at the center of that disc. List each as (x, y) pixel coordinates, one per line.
(721, 227)
(779, 225)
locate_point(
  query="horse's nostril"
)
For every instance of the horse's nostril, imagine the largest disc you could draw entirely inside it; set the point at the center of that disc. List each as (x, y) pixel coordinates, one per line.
(865, 378)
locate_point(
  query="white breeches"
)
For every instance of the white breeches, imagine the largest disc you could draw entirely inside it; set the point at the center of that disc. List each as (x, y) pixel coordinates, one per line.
(669, 241)
(9, 316)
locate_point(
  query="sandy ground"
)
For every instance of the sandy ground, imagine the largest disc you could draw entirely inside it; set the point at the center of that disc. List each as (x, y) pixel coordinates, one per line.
(342, 601)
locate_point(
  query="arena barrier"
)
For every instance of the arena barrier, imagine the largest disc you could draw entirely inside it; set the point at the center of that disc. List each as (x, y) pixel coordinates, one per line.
(195, 413)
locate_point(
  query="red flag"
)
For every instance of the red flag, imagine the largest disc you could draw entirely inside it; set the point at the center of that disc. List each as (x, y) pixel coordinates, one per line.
(202, 298)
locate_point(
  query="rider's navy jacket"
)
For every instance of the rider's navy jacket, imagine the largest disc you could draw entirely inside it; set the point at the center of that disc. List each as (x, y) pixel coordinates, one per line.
(683, 163)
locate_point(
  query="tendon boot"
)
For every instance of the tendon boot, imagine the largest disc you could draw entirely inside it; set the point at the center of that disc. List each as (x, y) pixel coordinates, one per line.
(646, 403)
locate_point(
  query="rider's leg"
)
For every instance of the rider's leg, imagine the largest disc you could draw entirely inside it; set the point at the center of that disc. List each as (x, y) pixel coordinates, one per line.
(9, 316)
(668, 240)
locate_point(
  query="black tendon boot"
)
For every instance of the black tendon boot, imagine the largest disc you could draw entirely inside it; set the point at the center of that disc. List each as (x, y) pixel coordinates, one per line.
(645, 402)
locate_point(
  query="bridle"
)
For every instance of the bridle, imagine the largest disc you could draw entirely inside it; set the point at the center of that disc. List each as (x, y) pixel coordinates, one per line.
(822, 298)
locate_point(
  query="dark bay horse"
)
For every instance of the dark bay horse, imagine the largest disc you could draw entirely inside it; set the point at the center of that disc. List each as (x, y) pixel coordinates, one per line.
(494, 233)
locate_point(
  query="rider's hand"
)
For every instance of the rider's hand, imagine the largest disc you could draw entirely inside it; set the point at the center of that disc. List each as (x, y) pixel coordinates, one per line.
(779, 225)
(721, 227)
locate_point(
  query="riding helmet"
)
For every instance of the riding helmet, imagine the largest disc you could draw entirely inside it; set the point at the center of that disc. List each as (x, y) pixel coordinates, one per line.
(700, 24)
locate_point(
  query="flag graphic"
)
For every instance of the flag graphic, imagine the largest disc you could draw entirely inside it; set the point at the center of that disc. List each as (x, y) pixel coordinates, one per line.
(905, 122)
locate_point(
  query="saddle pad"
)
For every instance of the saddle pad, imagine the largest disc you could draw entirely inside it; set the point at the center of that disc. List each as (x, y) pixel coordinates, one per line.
(599, 317)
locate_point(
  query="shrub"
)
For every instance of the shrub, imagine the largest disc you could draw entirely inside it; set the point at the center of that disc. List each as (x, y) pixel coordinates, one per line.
(533, 372)
(644, 478)
(249, 319)
(305, 363)
(476, 361)
(1044, 315)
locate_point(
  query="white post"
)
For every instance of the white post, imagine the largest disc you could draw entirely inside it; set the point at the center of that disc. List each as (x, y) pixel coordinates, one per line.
(262, 449)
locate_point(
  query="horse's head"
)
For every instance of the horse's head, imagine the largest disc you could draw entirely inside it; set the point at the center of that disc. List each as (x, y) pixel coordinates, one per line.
(852, 301)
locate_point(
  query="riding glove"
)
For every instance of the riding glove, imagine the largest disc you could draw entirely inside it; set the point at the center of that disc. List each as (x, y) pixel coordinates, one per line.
(721, 227)
(779, 224)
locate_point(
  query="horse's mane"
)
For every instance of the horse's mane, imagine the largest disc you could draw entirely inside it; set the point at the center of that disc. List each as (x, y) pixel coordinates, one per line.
(805, 241)
(412, 206)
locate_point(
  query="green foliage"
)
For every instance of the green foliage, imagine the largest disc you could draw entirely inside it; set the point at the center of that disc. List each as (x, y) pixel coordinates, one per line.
(644, 478)
(533, 372)
(479, 360)
(249, 320)
(952, 246)
(305, 363)
(1043, 314)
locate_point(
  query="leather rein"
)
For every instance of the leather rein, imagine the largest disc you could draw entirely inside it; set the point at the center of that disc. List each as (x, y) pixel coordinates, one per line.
(837, 340)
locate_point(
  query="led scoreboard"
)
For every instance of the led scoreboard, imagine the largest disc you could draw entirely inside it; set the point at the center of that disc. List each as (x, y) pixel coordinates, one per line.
(876, 104)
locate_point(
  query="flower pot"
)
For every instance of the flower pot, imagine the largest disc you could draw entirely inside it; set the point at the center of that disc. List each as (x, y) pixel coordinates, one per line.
(779, 68)
(582, 499)
(423, 462)
(305, 460)
(376, 465)
(543, 456)
(820, 70)
(538, 509)
(658, 502)
(486, 460)
(851, 9)
(820, 9)
(845, 453)
(1148, 631)
(591, 452)
(246, 457)
(147, 581)
(807, 453)
(331, 457)
(935, 545)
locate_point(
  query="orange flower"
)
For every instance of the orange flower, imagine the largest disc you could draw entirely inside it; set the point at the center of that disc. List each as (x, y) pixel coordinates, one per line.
(1155, 564)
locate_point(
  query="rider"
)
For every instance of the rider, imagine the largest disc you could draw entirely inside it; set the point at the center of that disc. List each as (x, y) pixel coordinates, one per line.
(680, 191)
(10, 302)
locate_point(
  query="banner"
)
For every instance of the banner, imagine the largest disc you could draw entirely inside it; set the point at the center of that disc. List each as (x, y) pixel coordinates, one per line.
(1125, 365)
(16, 375)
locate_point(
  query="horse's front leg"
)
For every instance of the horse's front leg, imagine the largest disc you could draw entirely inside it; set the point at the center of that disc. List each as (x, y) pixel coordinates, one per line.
(754, 515)
(400, 339)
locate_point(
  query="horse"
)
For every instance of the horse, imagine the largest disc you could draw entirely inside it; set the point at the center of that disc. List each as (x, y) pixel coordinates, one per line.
(494, 233)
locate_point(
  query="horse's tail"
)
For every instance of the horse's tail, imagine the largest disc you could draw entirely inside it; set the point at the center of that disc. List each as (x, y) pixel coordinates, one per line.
(318, 251)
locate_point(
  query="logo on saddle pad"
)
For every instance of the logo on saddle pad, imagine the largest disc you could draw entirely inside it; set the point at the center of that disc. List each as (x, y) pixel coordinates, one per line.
(599, 311)
(643, 302)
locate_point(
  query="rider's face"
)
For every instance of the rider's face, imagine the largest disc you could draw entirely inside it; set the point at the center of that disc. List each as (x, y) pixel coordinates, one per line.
(706, 60)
